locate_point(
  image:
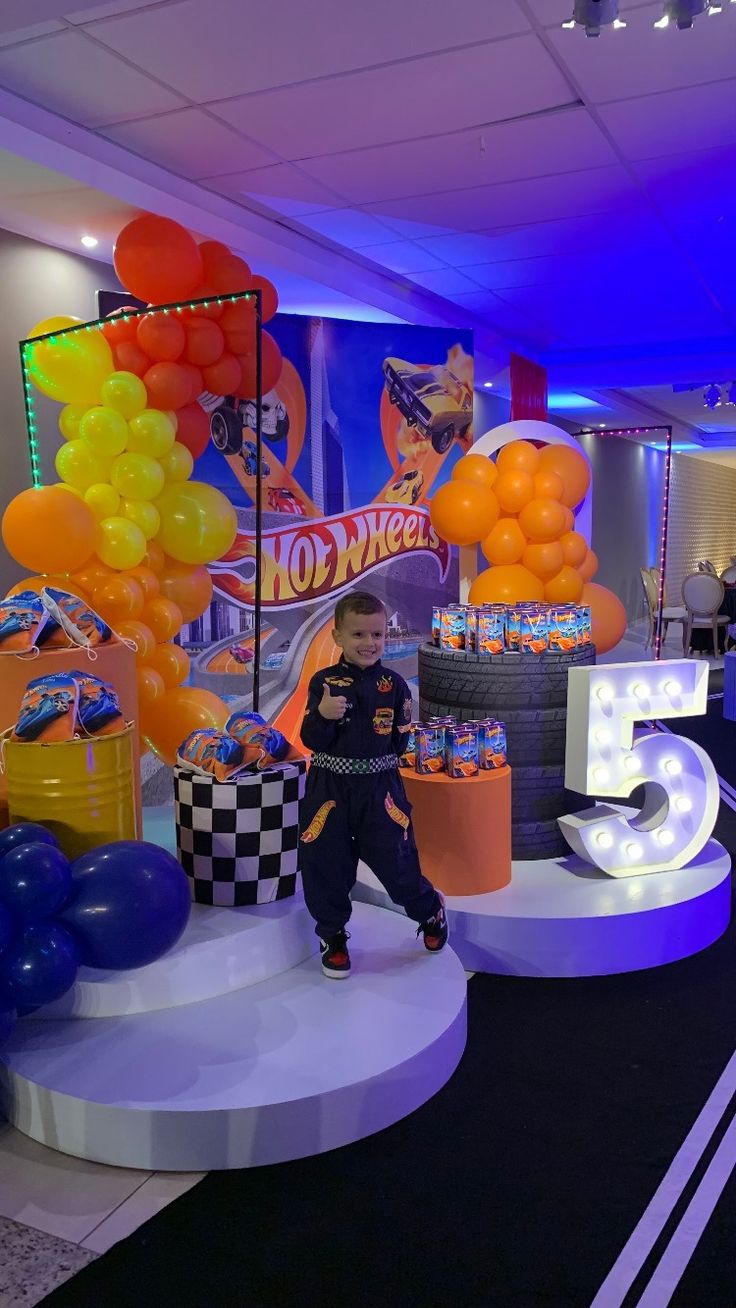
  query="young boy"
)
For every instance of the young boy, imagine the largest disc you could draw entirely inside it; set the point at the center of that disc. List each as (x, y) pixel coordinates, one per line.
(355, 805)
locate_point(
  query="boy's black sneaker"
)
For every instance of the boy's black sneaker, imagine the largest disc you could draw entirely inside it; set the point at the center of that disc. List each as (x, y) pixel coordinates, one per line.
(335, 956)
(435, 930)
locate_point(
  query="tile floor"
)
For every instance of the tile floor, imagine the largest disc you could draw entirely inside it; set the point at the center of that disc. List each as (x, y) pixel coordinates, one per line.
(57, 1213)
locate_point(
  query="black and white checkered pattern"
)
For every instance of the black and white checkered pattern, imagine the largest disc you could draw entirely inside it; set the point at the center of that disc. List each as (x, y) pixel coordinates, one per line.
(238, 840)
(355, 766)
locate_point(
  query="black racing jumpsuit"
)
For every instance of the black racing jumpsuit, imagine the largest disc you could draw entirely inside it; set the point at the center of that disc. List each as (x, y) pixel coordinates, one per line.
(355, 805)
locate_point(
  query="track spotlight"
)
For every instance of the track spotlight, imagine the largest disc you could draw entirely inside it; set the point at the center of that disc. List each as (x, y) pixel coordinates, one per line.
(683, 12)
(732, 393)
(595, 14)
(712, 396)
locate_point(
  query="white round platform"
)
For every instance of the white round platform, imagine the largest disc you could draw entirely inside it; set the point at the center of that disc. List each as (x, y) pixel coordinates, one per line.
(293, 1066)
(562, 917)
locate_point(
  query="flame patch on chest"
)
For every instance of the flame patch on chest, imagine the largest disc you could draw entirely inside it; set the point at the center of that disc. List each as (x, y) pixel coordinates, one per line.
(384, 685)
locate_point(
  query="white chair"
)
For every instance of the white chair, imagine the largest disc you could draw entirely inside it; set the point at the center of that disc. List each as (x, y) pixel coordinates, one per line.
(728, 576)
(705, 565)
(703, 593)
(650, 582)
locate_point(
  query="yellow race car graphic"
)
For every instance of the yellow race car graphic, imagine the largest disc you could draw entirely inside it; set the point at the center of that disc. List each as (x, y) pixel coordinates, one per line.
(433, 400)
(407, 490)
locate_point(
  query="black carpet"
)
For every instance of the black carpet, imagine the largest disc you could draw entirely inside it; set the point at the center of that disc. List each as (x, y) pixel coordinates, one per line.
(515, 1187)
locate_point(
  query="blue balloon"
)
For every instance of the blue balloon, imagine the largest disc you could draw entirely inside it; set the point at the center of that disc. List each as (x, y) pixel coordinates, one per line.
(22, 834)
(6, 928)
(40, 965)
(8, 1019)
(35, 881)
(130, 903)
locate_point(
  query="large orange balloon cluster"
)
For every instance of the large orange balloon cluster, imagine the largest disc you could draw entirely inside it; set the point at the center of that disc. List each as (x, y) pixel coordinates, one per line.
(520, 511)
(126, 528)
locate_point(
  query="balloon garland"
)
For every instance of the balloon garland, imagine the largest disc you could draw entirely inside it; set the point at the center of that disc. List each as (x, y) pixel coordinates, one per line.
(126, 527)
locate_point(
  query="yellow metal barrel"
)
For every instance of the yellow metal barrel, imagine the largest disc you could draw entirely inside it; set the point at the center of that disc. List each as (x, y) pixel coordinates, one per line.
(82, 790)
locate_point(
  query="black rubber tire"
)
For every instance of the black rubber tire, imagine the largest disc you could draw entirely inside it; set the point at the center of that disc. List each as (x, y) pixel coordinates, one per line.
(226, 431)
(533, 840)
(472, 685)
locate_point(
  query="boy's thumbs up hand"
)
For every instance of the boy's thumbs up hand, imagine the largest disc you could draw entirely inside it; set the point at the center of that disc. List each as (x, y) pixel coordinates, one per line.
(332, 707)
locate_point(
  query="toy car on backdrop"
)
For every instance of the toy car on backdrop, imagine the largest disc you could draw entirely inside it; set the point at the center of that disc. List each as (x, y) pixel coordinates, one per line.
(282, 500)
(433, 400)
(249, 455)
(231, 417)
(407, 490)
(242, 653)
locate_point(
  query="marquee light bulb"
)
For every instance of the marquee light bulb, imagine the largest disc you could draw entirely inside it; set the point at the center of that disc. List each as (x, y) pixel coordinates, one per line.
(605, 692)
(604, 839)
(601, 774)
(631, 763)
(633, 849)
(640, 689)
(604, 736)
(665, 837)
(671, 687)
(683, 804)
(672, 766)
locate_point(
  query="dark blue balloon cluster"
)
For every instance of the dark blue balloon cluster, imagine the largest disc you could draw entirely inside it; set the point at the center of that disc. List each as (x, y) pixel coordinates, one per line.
(117, 907)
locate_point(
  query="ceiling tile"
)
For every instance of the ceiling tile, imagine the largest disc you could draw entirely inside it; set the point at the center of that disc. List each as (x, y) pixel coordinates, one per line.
(601, 269)
(595, 191)
(479, 85)
(505, 317)
(691, 184)
(189, 142)
(14, 35)
(532, 147)
(550, 13)
(560, 236)
(92, 10)
(74, 77)
(285, 188)
(403, 257)
(644, 60)
(223, 48)
(347, 227)
(444, 281)
(674, 122)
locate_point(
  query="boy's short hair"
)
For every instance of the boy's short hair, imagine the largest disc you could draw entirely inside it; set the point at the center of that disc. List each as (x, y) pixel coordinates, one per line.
(359, 601)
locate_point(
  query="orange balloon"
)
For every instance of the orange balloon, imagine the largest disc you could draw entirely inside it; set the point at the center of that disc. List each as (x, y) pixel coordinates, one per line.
(62, 581)
(151, 687)
(543, 560)
(118, 597)
(168, 721)
(542, 520)
(157, 260)
(572, 467)
(91, 575)
(548, 485)
(505, 543)
(46, 529)
(163, 617)
(140, 635)
(513, 489)
(147, 580)
(506, 585)
(574, 548)
(172, 662)
(476, 468)
(589, 566)
(463, 512)
(154, 556)
(608, 616)
(189, 585)
(565, 587)
(518, 456)
(569, 519)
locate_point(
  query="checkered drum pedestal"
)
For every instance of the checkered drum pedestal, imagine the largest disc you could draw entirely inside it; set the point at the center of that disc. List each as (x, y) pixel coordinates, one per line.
(238, 841)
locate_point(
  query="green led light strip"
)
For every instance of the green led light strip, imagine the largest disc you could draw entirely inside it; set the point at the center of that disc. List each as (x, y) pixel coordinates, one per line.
(27, 345)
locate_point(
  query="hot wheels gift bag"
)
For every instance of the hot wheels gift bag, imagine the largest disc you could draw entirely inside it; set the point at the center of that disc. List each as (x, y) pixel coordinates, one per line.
(48, 711)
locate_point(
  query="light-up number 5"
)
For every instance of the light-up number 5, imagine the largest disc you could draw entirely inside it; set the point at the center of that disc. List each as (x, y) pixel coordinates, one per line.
(605, 758)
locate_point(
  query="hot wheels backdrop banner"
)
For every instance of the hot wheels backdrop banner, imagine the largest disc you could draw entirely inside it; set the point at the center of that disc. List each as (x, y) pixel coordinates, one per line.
(366, 421)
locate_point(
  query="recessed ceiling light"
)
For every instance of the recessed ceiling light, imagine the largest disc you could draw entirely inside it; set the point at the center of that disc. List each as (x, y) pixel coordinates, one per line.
(488, 385)
(90, 242)
(601, 424)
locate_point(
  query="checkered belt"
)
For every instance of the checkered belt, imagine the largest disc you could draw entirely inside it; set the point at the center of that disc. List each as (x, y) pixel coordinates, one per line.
(353, 766)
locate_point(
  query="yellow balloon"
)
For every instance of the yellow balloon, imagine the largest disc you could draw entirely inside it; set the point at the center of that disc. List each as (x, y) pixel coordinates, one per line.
(61, 485)
(172, 418)
(105, 431)
(198, 524)
(178, 464)
(120, 543)
(144, 514)
(69, 419)
(137, 477)
(125, 393)
(151, 432)
(103, 500)
(71, 367)
(79, 466)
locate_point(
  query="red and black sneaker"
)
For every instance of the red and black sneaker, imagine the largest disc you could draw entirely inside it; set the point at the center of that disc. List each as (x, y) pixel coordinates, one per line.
(335, 956)
(435, 930)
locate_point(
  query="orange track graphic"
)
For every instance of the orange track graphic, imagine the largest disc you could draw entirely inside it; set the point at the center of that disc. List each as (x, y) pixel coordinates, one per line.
(224, 661)
(321, 653)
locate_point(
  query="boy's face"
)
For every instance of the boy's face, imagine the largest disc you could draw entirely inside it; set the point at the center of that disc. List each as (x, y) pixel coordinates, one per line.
(361, 638)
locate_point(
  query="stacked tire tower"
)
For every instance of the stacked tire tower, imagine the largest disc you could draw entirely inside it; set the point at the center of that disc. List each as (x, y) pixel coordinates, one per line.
(529, 694)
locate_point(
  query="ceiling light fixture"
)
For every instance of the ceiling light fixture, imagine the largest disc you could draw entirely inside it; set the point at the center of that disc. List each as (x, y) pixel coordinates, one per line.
(732, 388)
(89, 242)
(683, 12)
(712, 396)
(488, 385)
(595, 14)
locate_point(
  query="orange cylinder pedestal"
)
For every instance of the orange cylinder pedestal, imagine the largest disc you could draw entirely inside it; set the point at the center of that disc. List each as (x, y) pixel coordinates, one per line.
(463, 829)
(114, 662)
